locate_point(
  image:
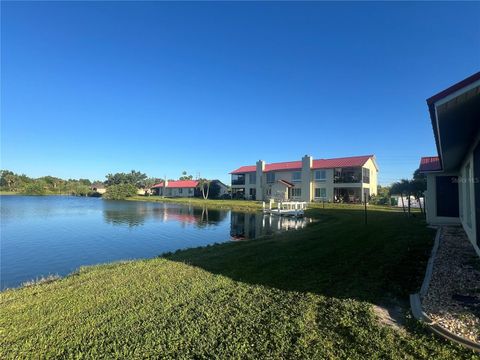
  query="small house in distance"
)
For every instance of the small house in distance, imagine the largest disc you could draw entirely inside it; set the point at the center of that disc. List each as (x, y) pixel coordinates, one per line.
(188, 188)
(453, 177)
(175, 188)
(98, 187)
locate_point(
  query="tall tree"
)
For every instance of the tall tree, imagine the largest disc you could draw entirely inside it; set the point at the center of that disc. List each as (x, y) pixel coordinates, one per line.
(204, 186)
(185, 176)
(135, 178)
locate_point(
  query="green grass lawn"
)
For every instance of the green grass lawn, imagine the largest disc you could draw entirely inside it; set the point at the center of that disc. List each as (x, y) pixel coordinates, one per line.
(245, 205)
(301, 294)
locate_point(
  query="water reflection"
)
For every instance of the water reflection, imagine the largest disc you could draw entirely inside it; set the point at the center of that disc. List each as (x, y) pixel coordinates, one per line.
(242, 225)
(254, 225)
(137, 213)
(58, 234)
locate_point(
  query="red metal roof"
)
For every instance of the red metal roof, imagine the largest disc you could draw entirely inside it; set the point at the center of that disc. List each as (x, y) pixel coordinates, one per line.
(341, 162)
(178, 184)
(245, 169)
(288, 165)
(317, 164)
(430, 163)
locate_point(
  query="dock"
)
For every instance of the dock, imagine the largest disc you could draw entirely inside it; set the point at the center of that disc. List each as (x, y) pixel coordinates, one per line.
(287, 208)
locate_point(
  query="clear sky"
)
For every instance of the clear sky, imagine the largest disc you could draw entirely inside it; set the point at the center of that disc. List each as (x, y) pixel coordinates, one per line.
(91, 88)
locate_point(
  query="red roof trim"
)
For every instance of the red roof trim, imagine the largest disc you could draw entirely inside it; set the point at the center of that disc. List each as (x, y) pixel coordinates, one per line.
(430, 163)
(351, 161)
(178, 184)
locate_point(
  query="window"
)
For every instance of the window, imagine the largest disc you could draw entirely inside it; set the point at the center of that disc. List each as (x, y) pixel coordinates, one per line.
(297, 176)
(366, 176)
(190, 190)
(180, 191)
(238, 179)
(320, 193)
(252, 178)
(447, 196)
(270, 177)
(320, 175)
(296, 192)
(348, 175)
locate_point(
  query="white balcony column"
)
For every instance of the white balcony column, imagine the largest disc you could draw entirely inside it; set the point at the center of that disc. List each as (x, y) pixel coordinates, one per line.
(258, 180)
(307, 163)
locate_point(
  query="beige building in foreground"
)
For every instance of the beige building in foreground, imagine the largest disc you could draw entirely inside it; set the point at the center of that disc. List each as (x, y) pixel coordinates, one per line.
(347, 179)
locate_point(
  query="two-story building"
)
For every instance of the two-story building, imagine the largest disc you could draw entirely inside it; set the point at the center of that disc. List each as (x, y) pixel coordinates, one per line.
(348, 179)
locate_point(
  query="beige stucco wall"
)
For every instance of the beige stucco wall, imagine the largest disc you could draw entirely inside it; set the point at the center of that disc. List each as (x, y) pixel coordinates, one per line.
(373, 186)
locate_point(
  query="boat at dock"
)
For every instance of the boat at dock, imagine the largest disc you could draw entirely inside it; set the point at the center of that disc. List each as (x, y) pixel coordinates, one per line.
(285, 208)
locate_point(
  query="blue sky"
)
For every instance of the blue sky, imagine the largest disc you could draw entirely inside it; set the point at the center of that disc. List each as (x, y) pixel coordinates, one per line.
(92, 88)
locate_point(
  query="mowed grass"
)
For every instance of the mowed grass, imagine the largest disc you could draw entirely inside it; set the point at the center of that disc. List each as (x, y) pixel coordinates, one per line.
(299, 295)
(244, 205)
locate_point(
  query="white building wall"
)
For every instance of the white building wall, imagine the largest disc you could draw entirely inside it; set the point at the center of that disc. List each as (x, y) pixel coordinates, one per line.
(327, 184)
(467, 209)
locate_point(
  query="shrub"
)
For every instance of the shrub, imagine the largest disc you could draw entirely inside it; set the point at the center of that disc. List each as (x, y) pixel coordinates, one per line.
(120, 191)
(36, 188)
(79, 189)
(379, 200)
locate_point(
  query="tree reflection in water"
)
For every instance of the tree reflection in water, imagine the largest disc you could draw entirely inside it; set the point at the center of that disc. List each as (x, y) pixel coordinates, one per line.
(137, 213)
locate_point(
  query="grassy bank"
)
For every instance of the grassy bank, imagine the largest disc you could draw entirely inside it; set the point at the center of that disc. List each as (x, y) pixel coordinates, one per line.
(4, 192)
(246, 205)
(305, 294)
(250, 205)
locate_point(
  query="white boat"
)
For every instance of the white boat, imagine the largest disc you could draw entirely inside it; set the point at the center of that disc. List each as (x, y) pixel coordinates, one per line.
(287, 208)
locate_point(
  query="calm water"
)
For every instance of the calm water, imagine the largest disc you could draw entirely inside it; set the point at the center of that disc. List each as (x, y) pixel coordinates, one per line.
(57, 234)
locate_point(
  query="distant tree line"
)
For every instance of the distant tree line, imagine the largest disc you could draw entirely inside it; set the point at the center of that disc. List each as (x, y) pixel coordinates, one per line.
(118, 186)
(405, 189)
(12, 182)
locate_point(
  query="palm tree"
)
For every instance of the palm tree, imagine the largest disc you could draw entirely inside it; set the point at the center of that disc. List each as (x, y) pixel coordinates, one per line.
(204, 184)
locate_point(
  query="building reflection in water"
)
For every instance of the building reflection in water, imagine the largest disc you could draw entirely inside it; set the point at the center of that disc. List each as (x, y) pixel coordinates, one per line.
(242, 225)
(254, 225)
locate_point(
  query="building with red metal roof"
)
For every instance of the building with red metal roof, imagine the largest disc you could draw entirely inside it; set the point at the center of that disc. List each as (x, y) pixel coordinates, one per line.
(349, 179)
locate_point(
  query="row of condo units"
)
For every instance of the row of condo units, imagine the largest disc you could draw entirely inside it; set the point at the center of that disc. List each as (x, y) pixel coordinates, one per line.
(347, 179)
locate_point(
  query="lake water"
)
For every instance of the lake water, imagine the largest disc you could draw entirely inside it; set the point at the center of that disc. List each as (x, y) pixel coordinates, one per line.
(43, 235)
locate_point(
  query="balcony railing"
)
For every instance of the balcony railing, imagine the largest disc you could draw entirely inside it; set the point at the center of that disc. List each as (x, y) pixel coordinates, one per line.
(347, 179)
(238, 182)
